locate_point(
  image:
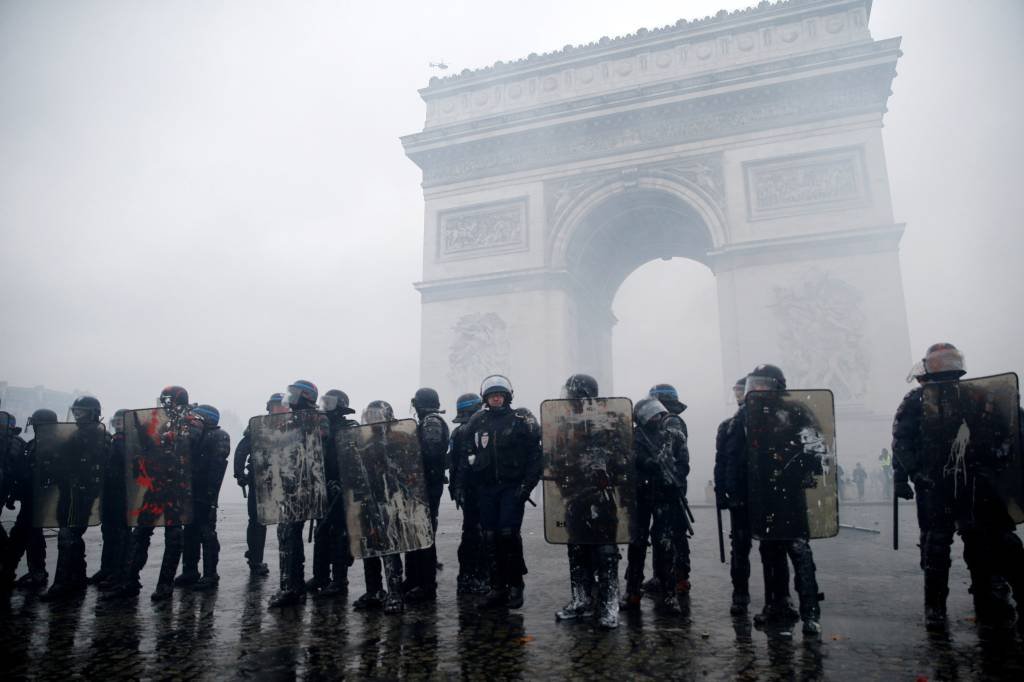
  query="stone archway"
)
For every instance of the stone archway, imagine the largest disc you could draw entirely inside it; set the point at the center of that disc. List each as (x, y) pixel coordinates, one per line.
(750, 142)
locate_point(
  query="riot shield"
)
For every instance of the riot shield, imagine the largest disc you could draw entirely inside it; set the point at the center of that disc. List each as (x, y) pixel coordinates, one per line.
(589, 472)
(971, 436)
(158, 467)
(67, 479)
(382, 478)
(288, 467)
(791, 464)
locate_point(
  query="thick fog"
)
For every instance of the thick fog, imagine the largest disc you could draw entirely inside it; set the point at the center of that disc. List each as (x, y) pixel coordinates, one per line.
(214, 194)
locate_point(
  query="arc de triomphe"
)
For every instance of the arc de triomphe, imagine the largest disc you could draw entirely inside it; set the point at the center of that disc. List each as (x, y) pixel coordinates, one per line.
(749, 141)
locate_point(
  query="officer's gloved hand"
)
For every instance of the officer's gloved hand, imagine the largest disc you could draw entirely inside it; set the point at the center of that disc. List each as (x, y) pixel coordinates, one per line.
(524, 493)
(810, 481)
(721, 500)
(904, 491)
(10, 505)
(240, 480)
(922, 482)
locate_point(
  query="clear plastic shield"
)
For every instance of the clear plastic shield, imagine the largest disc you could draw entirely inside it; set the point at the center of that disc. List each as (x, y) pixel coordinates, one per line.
(791, 464)
(288, 467)
(158, 467)
(67, 478)
(386, 504)
(589, 472)
(971, 433)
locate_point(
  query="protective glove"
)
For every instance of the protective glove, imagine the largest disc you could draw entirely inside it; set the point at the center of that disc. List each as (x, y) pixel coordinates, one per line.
(904, 491)
(524, 493)
(721, 500)
(922, 482)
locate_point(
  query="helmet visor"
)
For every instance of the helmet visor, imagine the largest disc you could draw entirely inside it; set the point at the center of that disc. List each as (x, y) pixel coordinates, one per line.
(329, 403)
(760, 384)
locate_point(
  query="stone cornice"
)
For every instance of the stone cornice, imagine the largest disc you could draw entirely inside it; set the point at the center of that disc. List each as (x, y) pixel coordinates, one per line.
(884, 238)
(841, 93)
(766, 32)
(492, 284)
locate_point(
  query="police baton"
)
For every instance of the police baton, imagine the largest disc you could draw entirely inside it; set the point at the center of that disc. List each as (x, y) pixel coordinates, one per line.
(530, 500)
(244, 496)
(721, 539)
(895, 519)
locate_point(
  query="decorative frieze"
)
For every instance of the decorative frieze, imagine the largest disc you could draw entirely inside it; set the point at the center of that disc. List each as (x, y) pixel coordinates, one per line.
(482, 230)
(683, 122)
(830, 180)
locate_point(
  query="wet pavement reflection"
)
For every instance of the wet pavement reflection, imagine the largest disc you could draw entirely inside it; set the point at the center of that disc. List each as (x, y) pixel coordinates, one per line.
(872, 618)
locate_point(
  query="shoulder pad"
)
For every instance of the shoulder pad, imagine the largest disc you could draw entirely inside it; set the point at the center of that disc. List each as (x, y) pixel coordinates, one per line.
(526, 416)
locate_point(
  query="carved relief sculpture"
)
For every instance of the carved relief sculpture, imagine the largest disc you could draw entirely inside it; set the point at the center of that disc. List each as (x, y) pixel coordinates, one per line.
(498, 227)
(479, 346)
(821, 336)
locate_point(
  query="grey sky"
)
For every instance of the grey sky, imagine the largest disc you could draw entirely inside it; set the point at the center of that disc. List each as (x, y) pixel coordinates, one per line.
(214, 194)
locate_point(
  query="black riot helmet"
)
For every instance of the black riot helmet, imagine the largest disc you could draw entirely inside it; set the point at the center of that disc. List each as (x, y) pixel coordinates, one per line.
(580, 386)
(766, 378)
(117, 421)
(275, 404)
(944, 361)
(378, 411)
(669, 397)
(336, 401)
(85, 409)
(42, 416)
(466, 407)
(302, 394)
(647, 410)
(496, 383)
(426, 401)
(173, 396)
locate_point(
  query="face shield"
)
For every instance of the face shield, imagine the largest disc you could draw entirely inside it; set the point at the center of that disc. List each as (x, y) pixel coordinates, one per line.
(755, 383)
(496, 383)
(329, 403)
(648, 410)
(293, 395)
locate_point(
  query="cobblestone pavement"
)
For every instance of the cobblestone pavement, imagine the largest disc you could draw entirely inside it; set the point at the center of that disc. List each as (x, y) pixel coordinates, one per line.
(872, 620)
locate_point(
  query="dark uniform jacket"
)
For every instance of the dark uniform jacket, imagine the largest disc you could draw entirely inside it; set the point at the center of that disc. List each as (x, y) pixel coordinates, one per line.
(504, 445)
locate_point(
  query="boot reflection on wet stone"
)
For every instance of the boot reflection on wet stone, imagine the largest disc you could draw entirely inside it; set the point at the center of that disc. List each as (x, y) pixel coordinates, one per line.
(496, 598)
(286, 598)
(370, 600)
(163, 592)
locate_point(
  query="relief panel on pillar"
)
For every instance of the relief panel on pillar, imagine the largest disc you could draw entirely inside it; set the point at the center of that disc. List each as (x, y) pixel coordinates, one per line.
(479, 346)
(483, 230)
(821, 335)
(808, 183)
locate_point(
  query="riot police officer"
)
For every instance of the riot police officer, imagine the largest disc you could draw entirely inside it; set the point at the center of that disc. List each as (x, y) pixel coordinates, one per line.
(669, 397)
(956, 495)
(180, 431)
(785, 482)
(662, 463)
(432, 433)
(740, 540)
(24, 537)
(113, 518)
(393, 601)
(504, 453)
(207, 475)
(302, 395)
(255, 532)
(331, 557)
(77, 494)
(12, 454)
(588, 561)
(473, 571)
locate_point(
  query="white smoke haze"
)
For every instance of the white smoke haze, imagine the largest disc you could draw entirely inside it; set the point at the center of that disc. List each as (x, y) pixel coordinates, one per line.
(215, 195)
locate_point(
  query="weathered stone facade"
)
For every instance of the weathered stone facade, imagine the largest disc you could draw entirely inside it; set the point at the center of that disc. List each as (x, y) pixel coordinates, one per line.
(749, 141)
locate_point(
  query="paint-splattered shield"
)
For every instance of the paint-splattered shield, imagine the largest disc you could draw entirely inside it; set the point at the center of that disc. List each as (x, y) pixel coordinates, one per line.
(971, 432)
(386, 504)
(589, 472)
(791, 464)
(158, 467)
(67, 478)
(288, 467)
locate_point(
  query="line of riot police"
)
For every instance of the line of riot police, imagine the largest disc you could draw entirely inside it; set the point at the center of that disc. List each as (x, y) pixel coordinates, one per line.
(613, 474)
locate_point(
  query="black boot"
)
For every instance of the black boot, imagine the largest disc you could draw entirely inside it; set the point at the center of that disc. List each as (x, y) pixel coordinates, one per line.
(580, 604)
